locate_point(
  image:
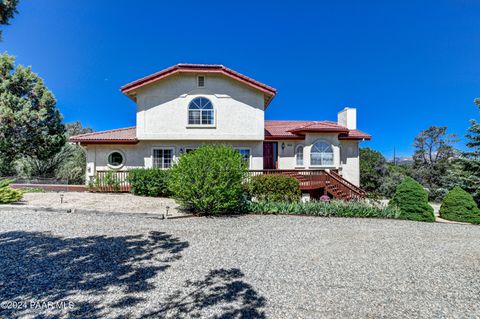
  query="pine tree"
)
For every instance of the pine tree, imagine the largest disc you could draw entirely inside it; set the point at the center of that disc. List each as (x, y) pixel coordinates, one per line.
(469, 165)
(432, 159)
(8, 8)
(30, 123)
(473, 137)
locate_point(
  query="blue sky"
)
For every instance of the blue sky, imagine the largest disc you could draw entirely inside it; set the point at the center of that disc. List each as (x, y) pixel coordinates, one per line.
(405, 65)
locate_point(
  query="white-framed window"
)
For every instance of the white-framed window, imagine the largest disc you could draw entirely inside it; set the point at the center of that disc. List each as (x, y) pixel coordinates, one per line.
(299, 155)
(115, 159)
(245, 152)
(162, 157)
(201, 81)
(201, 112)
(321, 154)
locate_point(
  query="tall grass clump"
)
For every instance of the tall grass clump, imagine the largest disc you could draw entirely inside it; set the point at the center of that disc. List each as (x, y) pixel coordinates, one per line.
(324, 209)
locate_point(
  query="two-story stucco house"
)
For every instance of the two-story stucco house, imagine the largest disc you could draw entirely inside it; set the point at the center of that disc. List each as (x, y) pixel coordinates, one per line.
(187, 105)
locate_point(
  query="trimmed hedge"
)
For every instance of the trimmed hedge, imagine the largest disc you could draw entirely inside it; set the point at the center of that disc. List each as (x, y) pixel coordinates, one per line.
(458, 205)
(9, 195)
(274, 188)
(149, 182)
(325, 209)
(209, 180)
(412, 200)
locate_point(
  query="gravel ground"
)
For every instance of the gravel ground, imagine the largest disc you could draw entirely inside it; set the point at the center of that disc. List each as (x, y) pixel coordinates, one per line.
(126, 266)
(104, 202)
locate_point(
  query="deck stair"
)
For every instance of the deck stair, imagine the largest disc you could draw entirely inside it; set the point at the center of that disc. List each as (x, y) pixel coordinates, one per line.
(314, 180)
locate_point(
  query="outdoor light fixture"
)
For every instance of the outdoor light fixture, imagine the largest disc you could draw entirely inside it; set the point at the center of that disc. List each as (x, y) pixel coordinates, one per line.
(283, 146)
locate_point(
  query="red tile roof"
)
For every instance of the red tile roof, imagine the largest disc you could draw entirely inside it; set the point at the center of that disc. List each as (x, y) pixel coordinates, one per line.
(274, 130)
(355, 135)
(129, 88)
(126, 135)
(296, 130)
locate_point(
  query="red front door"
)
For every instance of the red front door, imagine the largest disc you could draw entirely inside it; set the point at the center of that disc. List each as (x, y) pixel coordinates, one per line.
(269, 155)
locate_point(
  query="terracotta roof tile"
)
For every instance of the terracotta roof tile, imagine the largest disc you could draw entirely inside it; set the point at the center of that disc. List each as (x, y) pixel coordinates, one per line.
(296, 130)
(273, 130)
(355, 135)
(121, 135)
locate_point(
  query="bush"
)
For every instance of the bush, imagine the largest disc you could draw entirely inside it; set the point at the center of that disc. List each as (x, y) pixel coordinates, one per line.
(149, 182)
(412, 200)
(209, 180)
(326, 209)
(9, 195)
(458, 205)
(274, 188)
(68, 164)
(108, 182)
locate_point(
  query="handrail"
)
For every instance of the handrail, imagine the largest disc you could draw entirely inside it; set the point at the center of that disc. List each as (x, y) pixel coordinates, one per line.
(348, 184)
(318, 178)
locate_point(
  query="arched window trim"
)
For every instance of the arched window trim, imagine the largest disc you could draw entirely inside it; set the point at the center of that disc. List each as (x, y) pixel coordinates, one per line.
(300, 162)
(326, 160)
(201, 112)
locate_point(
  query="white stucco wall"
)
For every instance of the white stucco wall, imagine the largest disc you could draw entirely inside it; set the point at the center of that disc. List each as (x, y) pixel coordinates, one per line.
(350, 161)
(140, 155)
(345, 155)
(162, 109)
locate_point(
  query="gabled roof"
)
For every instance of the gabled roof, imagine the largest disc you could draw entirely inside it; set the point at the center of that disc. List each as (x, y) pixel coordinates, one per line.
(274, 130)
(126, 135)
(129, 89)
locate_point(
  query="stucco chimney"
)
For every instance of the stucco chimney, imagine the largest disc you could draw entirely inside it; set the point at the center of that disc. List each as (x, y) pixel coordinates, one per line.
(348, 117)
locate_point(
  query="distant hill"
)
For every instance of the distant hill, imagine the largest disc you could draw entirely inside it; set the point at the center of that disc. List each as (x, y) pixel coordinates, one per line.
(403, 160)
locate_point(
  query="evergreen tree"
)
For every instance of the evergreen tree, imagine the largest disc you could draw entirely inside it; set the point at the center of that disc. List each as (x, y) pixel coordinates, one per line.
(433, 152)
(76, 128)
(373, 169)
(8, 8)
(473, 137)
(468, 168)
(30, 123)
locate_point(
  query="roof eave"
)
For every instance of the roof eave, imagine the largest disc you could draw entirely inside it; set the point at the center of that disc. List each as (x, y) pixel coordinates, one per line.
(298, 131)
(129, 89)
(278, 137)
(86, 142)
(354, 138)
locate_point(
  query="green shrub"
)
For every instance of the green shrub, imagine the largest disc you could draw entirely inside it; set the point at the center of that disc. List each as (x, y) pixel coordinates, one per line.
(111, 181)
(33, 190)
(274, 188)
(209, 180)
(9, 195)
(412, 200)
(149, 182)
(458, 205)
(108, 182)
(326, 209)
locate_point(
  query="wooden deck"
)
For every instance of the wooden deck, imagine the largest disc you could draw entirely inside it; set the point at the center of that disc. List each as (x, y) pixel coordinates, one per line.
(314, 180)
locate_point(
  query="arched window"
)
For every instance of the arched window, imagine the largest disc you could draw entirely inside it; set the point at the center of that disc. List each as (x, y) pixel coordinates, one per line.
(201, 112)
(299, 155)
(321, 154)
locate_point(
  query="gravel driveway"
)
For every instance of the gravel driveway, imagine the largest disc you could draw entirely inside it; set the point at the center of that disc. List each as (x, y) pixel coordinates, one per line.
(126, 266)
(103, 202)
